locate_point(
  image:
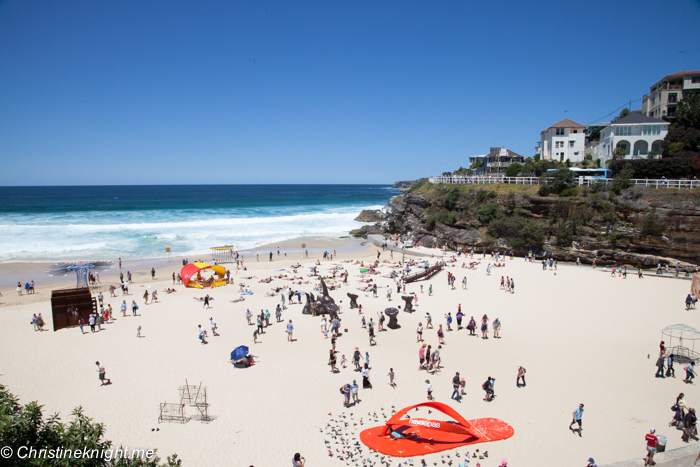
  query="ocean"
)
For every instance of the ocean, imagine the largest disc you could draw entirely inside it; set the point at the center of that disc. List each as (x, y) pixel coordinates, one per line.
(139, 222)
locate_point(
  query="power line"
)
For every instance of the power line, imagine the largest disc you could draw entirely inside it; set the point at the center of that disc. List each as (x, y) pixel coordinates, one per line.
(626, 104)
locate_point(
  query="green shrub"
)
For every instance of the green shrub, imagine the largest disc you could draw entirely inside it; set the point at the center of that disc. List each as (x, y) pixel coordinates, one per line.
(487, 213)
(430, 222)
(513, 170)
(451, 198)
(519, 232)
(622, 180)
(25, 425)
(671, 168)
(564, 234)
(652, 226)
(483, 195)
(571, 191)
(447, 218)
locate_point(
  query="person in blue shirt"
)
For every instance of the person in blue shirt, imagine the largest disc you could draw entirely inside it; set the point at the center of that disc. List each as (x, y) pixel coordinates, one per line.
(578, 413)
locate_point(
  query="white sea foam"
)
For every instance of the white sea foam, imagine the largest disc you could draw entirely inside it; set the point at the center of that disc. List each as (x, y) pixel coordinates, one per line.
(146, 234)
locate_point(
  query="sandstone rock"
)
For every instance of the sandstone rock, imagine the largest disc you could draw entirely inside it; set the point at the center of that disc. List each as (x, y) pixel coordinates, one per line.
(368, 215)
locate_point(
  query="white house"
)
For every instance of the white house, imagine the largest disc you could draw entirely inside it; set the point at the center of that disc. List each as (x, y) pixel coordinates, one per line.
(637, 134)
(562, 141)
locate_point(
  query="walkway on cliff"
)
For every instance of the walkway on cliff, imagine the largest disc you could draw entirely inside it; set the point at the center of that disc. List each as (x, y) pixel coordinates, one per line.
(421, 251)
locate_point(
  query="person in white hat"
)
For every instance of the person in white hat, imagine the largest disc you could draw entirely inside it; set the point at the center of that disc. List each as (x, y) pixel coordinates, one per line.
(651, 446)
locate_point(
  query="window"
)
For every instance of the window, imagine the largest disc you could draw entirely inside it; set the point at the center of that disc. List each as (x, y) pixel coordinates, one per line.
(651, 130)
(558, 144)
(695, 79)
(575, 131)
(653, 100)
(559, 132)
(672, 97)
(571, 144)
(623, 131)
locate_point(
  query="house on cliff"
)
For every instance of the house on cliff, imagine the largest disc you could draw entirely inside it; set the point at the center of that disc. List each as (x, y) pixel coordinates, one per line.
(638, 134)
(563, 140)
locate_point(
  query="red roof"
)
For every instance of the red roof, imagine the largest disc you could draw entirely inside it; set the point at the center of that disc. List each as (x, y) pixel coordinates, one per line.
(566, 123)
(684, 73)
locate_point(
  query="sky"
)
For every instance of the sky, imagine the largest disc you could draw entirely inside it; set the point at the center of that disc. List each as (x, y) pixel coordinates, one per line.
(134, 92)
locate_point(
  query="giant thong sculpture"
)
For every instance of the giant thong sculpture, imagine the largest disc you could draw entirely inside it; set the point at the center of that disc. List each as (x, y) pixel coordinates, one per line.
(324, 304)
(410, 437)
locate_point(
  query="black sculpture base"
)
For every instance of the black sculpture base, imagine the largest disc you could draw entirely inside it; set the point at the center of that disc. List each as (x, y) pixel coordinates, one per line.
(353, 300)
(409, 303)
(393, 315)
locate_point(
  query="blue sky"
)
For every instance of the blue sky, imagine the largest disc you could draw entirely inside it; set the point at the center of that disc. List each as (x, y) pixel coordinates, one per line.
(334, 91)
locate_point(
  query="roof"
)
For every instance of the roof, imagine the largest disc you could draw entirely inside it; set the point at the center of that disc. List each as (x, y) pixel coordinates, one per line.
(566, 123)
(635, 118)
(684, 73)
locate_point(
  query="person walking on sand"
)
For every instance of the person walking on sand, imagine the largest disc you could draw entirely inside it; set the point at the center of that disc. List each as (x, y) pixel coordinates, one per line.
(651, 440)
(145, 297)
(91, 321)
(81, 323)
(455, 388)
(366, 384)
(356, 359)
(521, 374)
(496, 328)
(419, 333)
(248, 316)
(464, 283)
(448, 319)
(370, 331)
(689, 373)
(138, 331)
(392, 377)
(202, 334)
(214, 327)
(578, 414)
(430, 389)
(428, 321)
(485, 327)
(123, 308)
(441, 335)
(206, 301)
(101, 374)
(421, 357)
(355, 391)
(660, 365)
(134, 307)
(290, 331)
(332, 360)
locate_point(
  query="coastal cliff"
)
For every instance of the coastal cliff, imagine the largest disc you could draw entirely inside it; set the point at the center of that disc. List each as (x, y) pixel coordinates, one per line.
(634, 226)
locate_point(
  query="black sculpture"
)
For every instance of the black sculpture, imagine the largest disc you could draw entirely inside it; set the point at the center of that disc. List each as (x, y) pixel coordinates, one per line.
(409, 303)
(324, 304)
(353, 300)
(393, 315)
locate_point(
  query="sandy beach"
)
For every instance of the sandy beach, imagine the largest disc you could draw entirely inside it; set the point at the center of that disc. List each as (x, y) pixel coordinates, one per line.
(583, 337)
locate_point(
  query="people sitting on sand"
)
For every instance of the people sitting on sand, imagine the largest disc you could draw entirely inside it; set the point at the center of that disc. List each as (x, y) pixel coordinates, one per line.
(239, 299)
(393, 434)
(169, 290)
(265, 281)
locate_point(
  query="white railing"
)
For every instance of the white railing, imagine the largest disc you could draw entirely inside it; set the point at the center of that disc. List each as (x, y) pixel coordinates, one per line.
(581, 181)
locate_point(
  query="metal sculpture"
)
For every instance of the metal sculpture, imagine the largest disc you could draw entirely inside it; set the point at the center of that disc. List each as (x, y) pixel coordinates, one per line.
(80, 269)
(393, 315)
(353, 300)
(409, 303)
(324, 304)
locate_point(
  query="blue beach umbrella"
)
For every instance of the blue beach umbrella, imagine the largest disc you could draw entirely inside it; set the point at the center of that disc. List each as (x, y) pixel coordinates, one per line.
(239, 353)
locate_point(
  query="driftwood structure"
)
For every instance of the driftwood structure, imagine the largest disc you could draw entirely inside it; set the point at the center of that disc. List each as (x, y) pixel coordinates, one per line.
(424, 274)
(190, 395)
(321, 306)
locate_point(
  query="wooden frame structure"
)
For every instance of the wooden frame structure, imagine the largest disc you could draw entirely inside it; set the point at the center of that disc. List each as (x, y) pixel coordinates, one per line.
(190, 395)
(223, 254)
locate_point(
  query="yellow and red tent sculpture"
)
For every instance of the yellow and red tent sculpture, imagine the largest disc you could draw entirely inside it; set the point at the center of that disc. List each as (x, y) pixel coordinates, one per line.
(192, 276)
(401, 437)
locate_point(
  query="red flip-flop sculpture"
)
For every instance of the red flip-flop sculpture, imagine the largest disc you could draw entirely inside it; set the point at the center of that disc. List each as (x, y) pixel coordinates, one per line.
(419, 436)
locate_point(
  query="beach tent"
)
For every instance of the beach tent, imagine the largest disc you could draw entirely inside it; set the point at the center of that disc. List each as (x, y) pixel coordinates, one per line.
(191, 275)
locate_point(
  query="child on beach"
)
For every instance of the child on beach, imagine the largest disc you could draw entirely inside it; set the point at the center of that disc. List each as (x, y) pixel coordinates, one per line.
(391, 378)
(430, 389)
(355, 390)
(343, 362)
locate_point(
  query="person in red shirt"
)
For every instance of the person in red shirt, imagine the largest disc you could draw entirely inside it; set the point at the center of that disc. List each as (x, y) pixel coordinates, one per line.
(651, 447)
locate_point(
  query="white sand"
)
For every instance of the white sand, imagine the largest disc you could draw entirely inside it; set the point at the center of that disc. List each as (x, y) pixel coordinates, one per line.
(582, 336)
